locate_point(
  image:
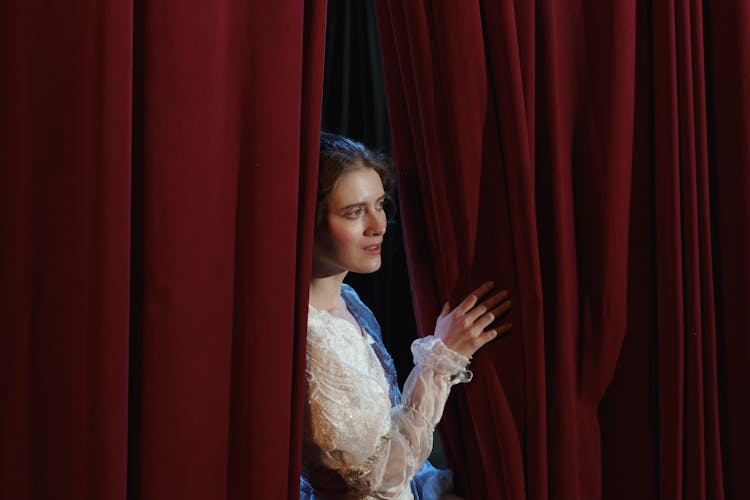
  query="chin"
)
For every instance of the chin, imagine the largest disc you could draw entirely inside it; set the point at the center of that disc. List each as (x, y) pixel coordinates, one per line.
(368, 268)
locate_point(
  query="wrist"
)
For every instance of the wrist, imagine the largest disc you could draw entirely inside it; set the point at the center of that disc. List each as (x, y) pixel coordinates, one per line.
(432, 352)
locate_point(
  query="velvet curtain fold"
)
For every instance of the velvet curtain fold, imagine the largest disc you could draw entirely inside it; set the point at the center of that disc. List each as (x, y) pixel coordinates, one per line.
(159, 162)
(592, 157)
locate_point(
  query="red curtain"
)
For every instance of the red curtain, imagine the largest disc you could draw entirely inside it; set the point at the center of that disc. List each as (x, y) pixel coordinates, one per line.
(592, 157)
(156, 201)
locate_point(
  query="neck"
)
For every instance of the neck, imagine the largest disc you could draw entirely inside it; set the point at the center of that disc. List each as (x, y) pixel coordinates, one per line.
(325, 292)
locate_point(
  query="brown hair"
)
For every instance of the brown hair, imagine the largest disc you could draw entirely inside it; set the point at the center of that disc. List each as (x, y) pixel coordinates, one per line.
(340, 155)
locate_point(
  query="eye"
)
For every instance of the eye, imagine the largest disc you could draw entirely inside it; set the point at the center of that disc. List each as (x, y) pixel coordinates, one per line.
(380, 205)
(353, 214)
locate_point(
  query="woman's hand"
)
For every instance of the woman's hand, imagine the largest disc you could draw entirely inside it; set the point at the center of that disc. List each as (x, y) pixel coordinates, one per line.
(463, 328)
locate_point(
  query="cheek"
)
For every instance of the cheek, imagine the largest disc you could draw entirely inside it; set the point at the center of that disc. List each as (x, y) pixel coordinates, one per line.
(337, 239)
(344, 237)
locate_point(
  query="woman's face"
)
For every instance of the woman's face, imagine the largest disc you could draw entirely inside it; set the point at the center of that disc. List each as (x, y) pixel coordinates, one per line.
(350, 234)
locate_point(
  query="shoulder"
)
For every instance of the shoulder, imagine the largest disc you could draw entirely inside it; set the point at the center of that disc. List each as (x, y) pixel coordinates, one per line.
(321, 329)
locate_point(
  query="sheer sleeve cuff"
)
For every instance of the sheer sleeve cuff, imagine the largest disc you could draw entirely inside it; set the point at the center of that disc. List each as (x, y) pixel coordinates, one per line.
(431, 352)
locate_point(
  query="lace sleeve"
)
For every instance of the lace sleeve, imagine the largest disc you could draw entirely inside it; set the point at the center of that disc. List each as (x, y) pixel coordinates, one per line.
(377, 449)
(437, 368)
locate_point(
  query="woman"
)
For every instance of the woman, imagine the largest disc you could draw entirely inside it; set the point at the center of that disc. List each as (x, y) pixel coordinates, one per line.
(362, 438)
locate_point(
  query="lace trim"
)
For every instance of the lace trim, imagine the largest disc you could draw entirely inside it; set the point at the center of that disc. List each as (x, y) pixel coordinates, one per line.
(353, 474)
(431, 351)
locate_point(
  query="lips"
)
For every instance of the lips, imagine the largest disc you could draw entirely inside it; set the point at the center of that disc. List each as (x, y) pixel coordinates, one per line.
(373, 249)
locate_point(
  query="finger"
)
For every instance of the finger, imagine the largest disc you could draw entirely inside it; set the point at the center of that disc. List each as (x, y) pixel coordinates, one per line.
(466, 304)
(502, 308)
(475, 313)
(489, 335)
(495, 333)
(495, 299)
(484, 288)
(446, 309)
(484, 321)
(487, 305)
(471, 300)
(504, 328)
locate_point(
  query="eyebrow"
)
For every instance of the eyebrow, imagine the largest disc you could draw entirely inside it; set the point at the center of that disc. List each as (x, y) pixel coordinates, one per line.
(358, 204)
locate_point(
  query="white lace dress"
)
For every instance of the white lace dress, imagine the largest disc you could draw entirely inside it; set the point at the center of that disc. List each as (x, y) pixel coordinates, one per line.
(356, 444)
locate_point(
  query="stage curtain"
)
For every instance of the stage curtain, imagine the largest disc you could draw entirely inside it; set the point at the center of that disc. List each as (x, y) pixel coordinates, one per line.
(157, 175)
(593, 158)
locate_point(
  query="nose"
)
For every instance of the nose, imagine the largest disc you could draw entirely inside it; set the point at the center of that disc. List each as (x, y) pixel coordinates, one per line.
(376, 223)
